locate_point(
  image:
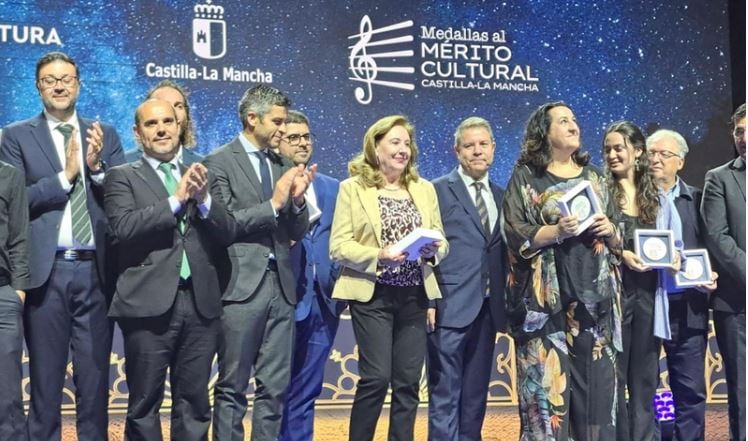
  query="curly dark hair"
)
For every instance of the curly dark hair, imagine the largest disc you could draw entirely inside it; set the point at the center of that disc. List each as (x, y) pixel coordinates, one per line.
(536, 150)
(647, 199)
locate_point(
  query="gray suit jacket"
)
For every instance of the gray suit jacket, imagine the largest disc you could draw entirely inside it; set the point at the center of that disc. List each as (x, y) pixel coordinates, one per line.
(258, 231)
(723, 212)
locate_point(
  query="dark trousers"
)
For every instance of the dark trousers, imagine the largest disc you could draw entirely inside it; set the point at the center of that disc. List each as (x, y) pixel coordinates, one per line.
(730, 330)
(259, 333)
(12, 419)
(314, 338)
(638, 368)
(68, 314)
(390, 331)
(459, 369)
(685, 363)
(183, 342)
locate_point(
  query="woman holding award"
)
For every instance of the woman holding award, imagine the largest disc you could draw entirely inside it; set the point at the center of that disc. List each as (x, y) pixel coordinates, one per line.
(563, 287)
(388, 291)
(634, 191)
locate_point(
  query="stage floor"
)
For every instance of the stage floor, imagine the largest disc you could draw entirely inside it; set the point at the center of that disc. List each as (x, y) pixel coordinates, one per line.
(332, 425)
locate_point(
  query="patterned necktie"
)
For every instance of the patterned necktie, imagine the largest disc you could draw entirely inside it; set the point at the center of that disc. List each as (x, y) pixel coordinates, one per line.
(78, 209)
(267, 184)
(170, 182)
(480, 204)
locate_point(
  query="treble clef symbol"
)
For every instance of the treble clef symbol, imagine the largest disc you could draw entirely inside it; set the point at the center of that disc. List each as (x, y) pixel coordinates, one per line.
(363, 66)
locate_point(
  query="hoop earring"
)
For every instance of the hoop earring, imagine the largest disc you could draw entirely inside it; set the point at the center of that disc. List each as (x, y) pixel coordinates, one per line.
(636, 164)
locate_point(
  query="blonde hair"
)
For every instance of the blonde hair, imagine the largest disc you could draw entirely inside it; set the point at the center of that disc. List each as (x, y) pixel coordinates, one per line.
(366, 165)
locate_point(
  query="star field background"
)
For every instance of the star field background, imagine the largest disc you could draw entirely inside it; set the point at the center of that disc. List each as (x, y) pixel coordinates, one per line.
(655, 63)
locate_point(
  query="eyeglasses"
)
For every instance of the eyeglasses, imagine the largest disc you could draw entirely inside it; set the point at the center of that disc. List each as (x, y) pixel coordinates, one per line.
(664, 154)
(296, 139)
(49, 82)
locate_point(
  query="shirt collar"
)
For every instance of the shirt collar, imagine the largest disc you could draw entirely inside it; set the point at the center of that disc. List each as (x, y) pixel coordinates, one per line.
(154, 163)
(54, 122)
(469, 180)
(247, 144)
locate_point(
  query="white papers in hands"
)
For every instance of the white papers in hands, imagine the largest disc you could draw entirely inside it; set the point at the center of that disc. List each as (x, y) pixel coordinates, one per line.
(415, 240)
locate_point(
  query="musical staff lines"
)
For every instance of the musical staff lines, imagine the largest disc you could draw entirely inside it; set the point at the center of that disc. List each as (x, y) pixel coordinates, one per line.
(363, 64)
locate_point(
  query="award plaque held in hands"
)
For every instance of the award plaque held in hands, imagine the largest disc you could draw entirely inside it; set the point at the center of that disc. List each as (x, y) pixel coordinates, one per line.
(415, 240)
(695, 270)
(580, 201)
(655, 247)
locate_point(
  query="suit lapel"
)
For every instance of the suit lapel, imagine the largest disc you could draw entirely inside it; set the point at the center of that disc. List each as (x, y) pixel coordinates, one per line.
(461, 194)
(150, 178)
(40, 132)
(368, 198)
(736, 170)
(242, 158)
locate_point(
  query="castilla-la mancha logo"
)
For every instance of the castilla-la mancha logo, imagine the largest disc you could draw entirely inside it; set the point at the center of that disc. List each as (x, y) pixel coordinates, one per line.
(209, 31)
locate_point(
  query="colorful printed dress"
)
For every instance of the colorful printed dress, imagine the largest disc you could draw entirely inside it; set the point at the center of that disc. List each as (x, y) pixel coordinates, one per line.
(563, 311)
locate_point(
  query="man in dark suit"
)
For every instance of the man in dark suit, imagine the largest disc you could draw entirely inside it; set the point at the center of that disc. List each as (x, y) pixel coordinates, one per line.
(688, 308)
(264, 193)
(723, 211)
(14, 280)
(63, 158)
(174, 94)
(317, 315)
(167, 299)
(464, 322)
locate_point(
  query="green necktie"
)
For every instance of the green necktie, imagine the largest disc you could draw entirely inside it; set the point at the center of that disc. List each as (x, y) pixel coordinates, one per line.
(170, 183)
(78, 209)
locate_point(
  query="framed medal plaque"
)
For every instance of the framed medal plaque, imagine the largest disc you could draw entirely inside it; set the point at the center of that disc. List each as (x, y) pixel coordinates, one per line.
(580, 201)
(655, 247)
(695, 269)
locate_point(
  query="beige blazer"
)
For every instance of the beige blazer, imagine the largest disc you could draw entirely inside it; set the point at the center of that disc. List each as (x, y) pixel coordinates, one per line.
(356, 237)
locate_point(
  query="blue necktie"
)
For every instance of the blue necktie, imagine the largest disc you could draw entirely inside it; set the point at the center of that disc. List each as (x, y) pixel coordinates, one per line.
(267, 184)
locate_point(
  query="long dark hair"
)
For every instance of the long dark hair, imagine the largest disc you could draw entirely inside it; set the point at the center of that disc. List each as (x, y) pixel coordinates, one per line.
(646, 189)
(536, 150)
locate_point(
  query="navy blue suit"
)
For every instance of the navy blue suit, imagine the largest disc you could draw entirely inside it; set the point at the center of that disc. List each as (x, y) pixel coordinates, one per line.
(689, 319)
(67, 305)
(317, 315)
(461, 347)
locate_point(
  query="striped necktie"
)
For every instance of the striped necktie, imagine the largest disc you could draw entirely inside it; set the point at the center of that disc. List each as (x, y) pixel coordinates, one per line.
(78, 209)
(480, 204)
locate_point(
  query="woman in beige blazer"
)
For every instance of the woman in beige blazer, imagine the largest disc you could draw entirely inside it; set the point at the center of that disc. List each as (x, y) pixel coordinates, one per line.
(388, 293)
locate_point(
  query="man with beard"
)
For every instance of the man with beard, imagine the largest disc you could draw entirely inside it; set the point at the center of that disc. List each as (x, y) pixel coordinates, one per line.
(723, 210)
(63, 158)
(317, 315)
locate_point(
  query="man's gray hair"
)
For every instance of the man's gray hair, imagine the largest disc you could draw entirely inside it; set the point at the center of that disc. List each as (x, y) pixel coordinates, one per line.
(472, 123)
(680, 141)
(296, 117)
(259, 100)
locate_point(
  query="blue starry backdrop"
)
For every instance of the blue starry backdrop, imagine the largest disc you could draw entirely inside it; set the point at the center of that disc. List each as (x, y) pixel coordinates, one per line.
(655, 63)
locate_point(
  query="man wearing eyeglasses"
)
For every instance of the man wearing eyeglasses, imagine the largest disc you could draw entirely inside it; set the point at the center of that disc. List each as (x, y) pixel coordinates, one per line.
(63, 158)
(723, 209)
(317, 315)
(688, 308)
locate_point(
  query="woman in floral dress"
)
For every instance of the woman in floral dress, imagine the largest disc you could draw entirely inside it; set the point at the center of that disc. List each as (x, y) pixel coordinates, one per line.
(563, 288)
